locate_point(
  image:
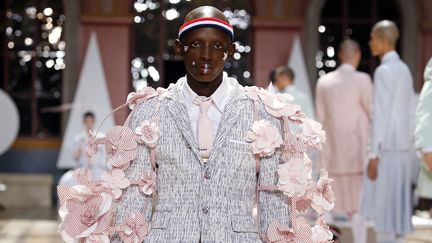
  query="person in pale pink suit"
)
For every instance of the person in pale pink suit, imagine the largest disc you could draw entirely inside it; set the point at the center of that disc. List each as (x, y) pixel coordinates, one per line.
(343, 104)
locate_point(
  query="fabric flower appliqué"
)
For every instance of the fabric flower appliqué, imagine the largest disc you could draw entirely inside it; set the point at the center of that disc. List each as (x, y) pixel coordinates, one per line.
(116, 181)
(84, 213)
(255, 93)
(279, 233)
(97, 239)
(136, 98)
(293, 147)
(321, 232)
(134, 229)
(313, 133)
(147, 183)
(148, 133)
(264, 138)
(294, 177)
(323, 198)
(121, 147)
(276, 106)
(163, 93)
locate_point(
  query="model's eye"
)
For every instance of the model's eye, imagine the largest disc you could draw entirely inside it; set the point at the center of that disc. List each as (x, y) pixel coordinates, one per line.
(218, 46)
(195, 44)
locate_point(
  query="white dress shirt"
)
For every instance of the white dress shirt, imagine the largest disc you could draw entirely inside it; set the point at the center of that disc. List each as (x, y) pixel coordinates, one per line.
(220, 98)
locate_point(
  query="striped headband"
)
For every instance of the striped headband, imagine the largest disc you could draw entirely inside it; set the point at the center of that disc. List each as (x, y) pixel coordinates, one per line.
(206, 22)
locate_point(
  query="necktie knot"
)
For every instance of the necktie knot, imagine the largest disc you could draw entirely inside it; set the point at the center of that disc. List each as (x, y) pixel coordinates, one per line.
(203, 102)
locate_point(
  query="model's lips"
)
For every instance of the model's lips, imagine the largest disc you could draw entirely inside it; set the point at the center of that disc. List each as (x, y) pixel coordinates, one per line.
(204, 68)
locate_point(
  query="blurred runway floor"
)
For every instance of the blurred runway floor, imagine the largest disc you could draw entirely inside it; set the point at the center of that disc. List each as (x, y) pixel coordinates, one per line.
(40, 226)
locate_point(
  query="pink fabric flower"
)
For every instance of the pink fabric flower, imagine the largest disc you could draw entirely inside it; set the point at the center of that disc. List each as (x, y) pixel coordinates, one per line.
(97, 239)
(313, 133)
(304, 202)
(163, 93)
(275, 105)
(117, 181)
(148, 133)
(134, 229)
(293, 147)
(286, 98)
(294, 177)
(279, 233)
(321, 234)
(255, 93)
(303, 231)
(84, 213)
(136, 98)
(121, 147)
(147, 183)
(264, 138)
(324, 198)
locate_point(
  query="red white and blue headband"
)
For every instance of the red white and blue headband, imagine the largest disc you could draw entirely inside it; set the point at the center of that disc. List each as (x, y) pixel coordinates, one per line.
(206, 22)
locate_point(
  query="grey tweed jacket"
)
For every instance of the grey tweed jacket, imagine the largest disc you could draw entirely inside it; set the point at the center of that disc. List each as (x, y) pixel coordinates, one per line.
(205, 202)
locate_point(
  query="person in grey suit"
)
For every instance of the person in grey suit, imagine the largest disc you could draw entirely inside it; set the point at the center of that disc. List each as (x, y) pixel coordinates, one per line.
(211, 149)
(209, 201)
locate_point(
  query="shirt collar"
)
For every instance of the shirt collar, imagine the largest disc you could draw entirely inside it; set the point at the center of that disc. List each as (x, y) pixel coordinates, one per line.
(391, 55)
(219, 97)
(347, 66)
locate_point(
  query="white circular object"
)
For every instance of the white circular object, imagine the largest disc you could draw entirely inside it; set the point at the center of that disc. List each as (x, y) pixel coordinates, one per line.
(10, 122)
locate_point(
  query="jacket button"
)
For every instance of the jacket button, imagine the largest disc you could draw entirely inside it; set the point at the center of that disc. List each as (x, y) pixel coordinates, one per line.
(207, 175)
(188, 146)
(205, 210)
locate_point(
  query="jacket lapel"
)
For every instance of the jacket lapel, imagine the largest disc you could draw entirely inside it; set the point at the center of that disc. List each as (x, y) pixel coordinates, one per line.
(180, 116)
(231, 112)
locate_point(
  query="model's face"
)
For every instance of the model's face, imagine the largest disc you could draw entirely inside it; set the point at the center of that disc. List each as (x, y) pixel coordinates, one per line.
(204, 52)
(376, 45)
(89, 123)
(283, 81)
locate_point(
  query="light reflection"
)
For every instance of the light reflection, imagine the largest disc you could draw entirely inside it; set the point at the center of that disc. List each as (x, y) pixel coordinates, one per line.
(55, 35)
(143, 74)
(238, 18)
(48, 11)
(246, 74)
(171, 14)
(154, 73)
(9, 31)
(49, 63)
(28, 41)
(330, 51)
(321, 73)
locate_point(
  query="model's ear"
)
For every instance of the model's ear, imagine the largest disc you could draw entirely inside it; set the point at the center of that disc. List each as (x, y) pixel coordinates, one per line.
(178, 48)
(231, 50)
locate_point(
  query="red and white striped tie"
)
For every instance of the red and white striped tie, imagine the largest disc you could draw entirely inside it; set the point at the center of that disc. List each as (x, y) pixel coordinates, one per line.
(205, 133)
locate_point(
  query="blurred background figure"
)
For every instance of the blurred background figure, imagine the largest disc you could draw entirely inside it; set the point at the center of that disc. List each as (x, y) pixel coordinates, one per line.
(98, 166)
(284, 82)
(388, 198)
(343, 105)
(423, 134)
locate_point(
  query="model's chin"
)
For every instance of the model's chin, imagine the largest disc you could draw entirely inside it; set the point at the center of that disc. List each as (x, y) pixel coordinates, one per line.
(204, 77)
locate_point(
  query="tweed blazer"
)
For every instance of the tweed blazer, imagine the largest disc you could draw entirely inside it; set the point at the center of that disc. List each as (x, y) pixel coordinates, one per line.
(205, 202)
